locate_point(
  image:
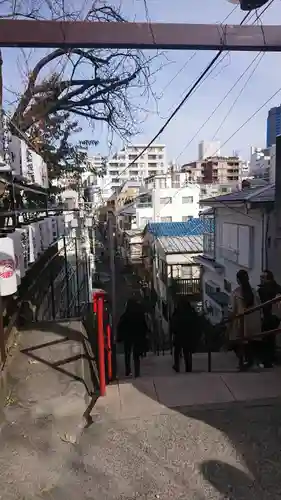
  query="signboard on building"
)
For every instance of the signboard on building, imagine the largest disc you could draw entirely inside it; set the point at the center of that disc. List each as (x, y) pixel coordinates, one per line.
(8, 277)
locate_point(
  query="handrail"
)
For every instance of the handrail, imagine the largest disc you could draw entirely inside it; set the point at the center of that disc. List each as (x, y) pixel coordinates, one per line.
(253, 309)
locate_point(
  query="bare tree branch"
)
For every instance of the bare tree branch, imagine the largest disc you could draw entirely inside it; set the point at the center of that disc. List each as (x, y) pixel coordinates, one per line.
(99, 85)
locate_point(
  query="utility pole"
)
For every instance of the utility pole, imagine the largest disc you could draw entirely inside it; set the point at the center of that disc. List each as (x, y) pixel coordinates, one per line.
(113, 292)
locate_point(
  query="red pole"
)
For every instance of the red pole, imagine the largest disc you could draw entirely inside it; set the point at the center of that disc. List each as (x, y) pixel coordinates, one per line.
(109, 353)
(94, 302)
(101, 360)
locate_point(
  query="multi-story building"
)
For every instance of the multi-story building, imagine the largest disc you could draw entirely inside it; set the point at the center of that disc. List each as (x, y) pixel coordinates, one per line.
(174, 199)
(262, 163)
(218, 169)
(273, 125)
(120, 168)
(165, 198)
(208, 149)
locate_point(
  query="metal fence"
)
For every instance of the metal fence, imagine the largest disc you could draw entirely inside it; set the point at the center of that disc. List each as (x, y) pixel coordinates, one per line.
(188, 286)
(66, 293)
(57, 287)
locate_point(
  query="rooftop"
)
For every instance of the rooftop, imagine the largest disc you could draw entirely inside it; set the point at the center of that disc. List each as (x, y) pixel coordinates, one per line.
(181, 244)
(265, 194)
(193, 227)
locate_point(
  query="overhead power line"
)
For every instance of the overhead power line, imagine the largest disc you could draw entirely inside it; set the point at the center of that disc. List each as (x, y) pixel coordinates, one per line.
(179, 106)
(219, 104)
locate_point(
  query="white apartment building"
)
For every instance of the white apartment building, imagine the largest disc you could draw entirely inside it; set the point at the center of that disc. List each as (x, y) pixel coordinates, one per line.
(166, 198)
(120, 170)
(208, 149)
(262, 163)
(173, 198)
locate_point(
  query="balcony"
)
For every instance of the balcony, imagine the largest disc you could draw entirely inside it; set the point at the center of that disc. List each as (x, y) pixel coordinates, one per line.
(189, 286)
(144, 205)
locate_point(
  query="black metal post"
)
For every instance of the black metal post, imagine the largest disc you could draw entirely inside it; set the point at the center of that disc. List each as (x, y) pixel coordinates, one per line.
(66, 278)
(209, 359)
(77, 298)
(53, 302)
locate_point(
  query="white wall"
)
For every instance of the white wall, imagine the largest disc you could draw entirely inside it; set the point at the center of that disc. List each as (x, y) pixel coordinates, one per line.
(254, 220)
(176, 209)
(262, 163)
(211, 277)
(143, 216)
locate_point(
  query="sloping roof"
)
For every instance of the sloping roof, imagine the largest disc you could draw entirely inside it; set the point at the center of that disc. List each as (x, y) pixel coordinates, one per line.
(127, 210)
(253, 195)
(267, 195)
(193, 227)
(181, 244)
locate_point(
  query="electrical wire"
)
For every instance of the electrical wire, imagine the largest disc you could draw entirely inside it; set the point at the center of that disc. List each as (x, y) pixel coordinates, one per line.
(214, 111)
(219, 105)
(190, 59)
(261, 56)
(193, 88)
(264, 10)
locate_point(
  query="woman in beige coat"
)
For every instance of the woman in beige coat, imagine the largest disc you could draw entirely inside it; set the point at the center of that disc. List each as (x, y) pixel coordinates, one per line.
(246, 327)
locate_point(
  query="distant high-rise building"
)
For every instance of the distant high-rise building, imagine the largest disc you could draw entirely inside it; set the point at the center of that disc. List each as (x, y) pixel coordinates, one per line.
(207, 149)
(273, 125)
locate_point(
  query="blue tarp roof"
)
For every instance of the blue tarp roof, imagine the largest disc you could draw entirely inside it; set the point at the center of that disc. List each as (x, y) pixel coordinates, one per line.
(193, 227)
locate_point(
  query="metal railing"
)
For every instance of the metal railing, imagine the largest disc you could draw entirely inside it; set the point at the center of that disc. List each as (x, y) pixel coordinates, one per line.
(241, 339)
(186, 286)
(56, 287)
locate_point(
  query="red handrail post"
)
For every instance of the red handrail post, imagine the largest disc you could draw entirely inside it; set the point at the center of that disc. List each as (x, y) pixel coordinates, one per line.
(109, 353)
(100, 333)
(95, 303)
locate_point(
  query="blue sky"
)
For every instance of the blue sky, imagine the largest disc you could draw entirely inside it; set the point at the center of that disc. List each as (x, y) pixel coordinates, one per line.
(265, 81)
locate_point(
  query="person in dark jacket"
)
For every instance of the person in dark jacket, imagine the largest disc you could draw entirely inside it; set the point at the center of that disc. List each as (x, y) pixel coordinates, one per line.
(268, 289)
(184, 327)
(132, 332)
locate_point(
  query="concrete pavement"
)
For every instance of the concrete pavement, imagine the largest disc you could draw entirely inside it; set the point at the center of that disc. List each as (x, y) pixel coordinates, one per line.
(160, 388)
(150, 438)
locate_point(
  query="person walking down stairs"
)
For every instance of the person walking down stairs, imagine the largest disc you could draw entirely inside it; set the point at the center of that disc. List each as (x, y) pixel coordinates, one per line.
(245, 327)
(184, 326)
(132, 332)
(269, 289)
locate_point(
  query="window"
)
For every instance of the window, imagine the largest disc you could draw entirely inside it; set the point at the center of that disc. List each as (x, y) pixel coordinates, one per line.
(163, 270)
(224, 190)
(163, 183)
(186, 218)
(165, 201)
(187, 272)
(211, 288)
(227, 286)
(237, 244)
(187, 199)
(166, 219)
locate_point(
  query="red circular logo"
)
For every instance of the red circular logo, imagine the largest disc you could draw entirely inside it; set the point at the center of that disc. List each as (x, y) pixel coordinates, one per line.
(7, 268)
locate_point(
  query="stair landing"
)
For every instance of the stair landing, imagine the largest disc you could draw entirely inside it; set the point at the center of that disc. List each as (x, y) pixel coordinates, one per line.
(160, 390)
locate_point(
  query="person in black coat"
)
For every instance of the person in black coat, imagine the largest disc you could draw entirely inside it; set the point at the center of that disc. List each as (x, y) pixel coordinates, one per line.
(184, 327)
(268, 289)
(132, 331)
